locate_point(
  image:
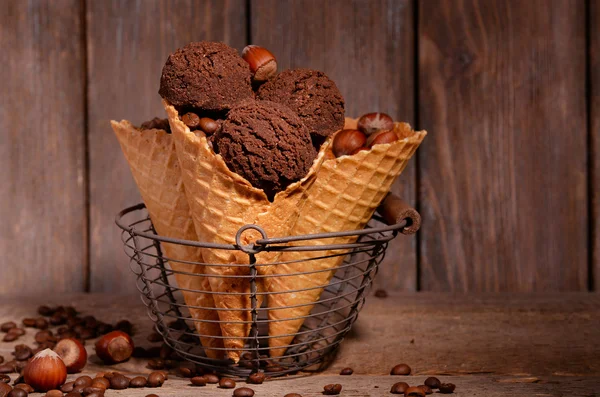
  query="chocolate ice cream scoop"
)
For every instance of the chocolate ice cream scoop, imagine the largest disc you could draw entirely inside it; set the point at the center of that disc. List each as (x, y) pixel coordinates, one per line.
(206, 76)
(312, 95)
(266, 143)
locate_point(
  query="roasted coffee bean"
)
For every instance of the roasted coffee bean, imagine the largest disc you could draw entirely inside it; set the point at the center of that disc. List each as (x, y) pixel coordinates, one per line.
(22, 352)
(7, 368)
(399, 388)
(447, 388)
(103, 328)
(54, 393)
(274, 368)
(16, 392)
(414, 391)
(90, 389)
(10, 337)
(256, 378)
(78, 389)
(41, 323)
(45, 311)
(138, 381)
(5, 389)
(119, 382)
(293, 395)
(125, 326)
(243, 392)
(29, 322)
(400, 369)
(185, 372)
(17, 331)
(101, 383)
(70, 311)
(208, 125)
(191, 120)
(87, 333)
(211, 378)
(154, 337)
(347, 371)
(433, 382)
(156, 363)
(20, 365)
(67, 387)
(156, 379)
(226, 383)
(25, 387)
(73, 394)
(332, 389)
(7, 326)
(165, 352)
(171, 363)
(90, 322)
(56, 319)
(151, 395)
(43, 336)
(426, 389)
(198, 381)
(381, 293)
(4, 378)
(84, 381)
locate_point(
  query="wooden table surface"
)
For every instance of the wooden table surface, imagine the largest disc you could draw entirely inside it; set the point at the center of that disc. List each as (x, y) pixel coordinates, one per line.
(488, 345)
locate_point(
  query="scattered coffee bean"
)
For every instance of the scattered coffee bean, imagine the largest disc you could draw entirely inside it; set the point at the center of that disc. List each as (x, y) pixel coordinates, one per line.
(156, 379)
(400, 369)
(191, 120)
(381, 293)
(447, 388)
(426, 389)
(29, 322)
(211, 378)
(54, 393)
(5, 389)
(332, 389)
(198, 381)
(432, 382)
(274, 368)
(57, 319)
(67, 387)
(243, 392)
(414, 391)
(399, 388)
(171, 364)
(138, 381)
(226, 383)
(165, 352)
(5, 327)
(293, 395)
(101, 383)
(45, 311)
(208, 125)
(90, 390)
(25, 387)
(16, 392)
(4, 378)
(44, 336)
(156, 363)
(78, 389)
(41, 323)
(185, 372)
(73, 394)
(7, 368)
(10, 337)
(22, 352)
(154, 337)
(151, 395)
(84, 381)
(256, 378)
(17, 331)
(347, 371)
(119, 382)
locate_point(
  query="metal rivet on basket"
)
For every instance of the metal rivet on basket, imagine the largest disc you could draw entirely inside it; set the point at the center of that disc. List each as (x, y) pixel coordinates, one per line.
(250, 248)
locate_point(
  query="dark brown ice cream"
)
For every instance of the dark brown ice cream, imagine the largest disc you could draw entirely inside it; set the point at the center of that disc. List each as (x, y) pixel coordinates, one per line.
(266, 143)
(206, 76)
(312, 95)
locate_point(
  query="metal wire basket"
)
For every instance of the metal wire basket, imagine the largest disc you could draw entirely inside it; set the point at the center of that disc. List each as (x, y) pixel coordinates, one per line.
(323, 329)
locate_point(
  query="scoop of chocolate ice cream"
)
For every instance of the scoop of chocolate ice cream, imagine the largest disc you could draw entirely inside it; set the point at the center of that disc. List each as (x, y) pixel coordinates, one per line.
(207, 76)
(266, 143)
(312, 95)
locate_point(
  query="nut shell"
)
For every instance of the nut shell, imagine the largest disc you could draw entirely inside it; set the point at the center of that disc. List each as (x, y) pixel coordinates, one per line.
(347, 142)
(114, 347)
(45, 371)
(73, 354)
(370, 123)
(262, 62)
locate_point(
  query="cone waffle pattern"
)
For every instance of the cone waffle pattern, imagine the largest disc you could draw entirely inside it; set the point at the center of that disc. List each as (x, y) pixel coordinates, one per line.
(344, 197)
(153, 162)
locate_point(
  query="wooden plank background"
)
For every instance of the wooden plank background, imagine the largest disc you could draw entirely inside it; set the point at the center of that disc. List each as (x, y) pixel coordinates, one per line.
(506, 181)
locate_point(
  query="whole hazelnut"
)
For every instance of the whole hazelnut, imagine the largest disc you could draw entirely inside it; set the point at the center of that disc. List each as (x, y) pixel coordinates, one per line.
(263, 64)
(114, 347)
(381, 137)
(73, 354)
(45, 371)
(373, 122)
(347, 142)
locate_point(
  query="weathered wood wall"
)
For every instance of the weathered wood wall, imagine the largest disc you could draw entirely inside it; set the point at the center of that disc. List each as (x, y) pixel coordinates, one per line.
(507, 181)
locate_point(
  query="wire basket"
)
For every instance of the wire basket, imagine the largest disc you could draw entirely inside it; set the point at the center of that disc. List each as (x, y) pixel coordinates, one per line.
(323, 329)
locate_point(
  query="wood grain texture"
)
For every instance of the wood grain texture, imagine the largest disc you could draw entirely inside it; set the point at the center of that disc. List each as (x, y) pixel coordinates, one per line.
(128, 44)
(367, 48)
(42, 194)
(503, 172)
(594, 141)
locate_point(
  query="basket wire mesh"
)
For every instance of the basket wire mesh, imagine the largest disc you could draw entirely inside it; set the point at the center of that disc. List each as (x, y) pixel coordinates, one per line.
(323, 328)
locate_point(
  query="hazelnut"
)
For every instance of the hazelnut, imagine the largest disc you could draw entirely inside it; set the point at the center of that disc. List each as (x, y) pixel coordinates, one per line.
(373, 122)
(347, 142)
(381, 137)
(263, 64)
(73, 354)
(114, 347)
(45, 371)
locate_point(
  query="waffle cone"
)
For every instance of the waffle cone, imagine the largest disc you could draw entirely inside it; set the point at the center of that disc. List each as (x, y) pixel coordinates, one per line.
(153, 162)
(344, 196)
(222, 202)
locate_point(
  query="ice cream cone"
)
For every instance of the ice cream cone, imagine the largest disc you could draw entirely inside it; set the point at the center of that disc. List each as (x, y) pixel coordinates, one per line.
(222, 202)
(343, 197)
(153, 162)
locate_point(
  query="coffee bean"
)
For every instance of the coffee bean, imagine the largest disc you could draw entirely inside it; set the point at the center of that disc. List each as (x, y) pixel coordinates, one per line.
(7, 368)
(191, 120)
(211, 378)
(29, 322)
(22, 352)
(56, 319)
(138, 381)
(243, 392)
(432, 382)
(25, 387)
(274, 368)
(5, 327)
(78, 389)
(90, 390)
(400, 369)
(119, 382)
(16, 392)
(45, 311)
(156, 363)
(399, 388)
(87, 333)
(5, 389)
(198, 381)
(84, 381)
(381, 293)
(414, 391)
(165, 352)
(41, 323)
(347, 371)
(10, 337)
(73, 394)
(54, 393)
(226, 383)
(103, 329)
(156, 379)
(447, 388)
(101, 383)
(332, 389)
(426, 389)
(293, 395)
(154, 337)
(17, 331)
(208, 125)
(151, 395)
(185, 372)
(4, 378)
(42, 336)
(67, 387)
(256, 378)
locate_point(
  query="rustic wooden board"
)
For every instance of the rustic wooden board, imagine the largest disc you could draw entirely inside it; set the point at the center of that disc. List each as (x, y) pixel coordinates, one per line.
(42, 151)
(367, 48)
(594, 142)
(128, 44)
(503, 172)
